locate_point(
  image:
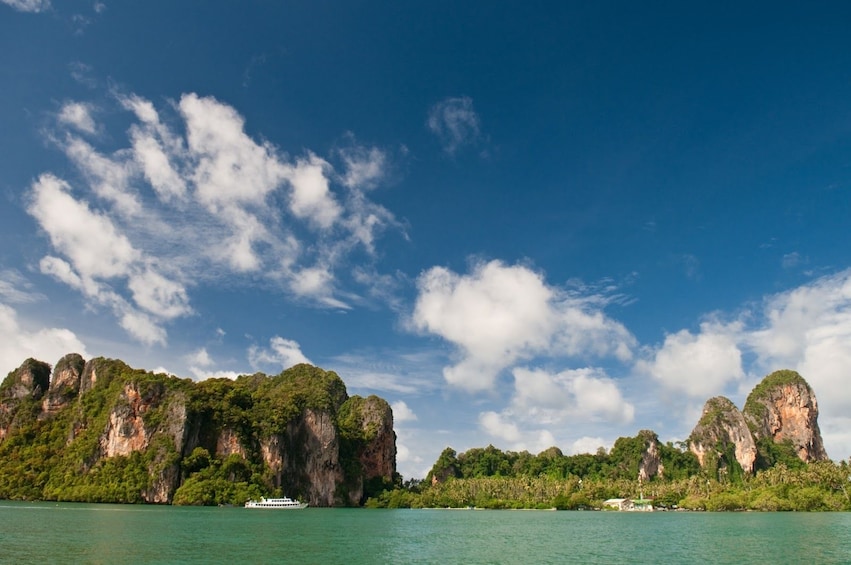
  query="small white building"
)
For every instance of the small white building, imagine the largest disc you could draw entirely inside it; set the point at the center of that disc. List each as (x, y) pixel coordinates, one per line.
(628, 505)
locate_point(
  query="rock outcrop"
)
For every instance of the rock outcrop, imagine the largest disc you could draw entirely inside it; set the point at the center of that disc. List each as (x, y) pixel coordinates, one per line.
(651, 459)
(378, 456)
(65, 384)
(299, 431)
(780, 418)
(24, 385)
(722, 436)
(783, 409)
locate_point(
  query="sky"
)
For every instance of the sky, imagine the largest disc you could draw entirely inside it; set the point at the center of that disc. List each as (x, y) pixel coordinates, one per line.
(522, 224)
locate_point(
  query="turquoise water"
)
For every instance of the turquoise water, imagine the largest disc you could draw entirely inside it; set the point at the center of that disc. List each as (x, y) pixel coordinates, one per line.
(106, 533)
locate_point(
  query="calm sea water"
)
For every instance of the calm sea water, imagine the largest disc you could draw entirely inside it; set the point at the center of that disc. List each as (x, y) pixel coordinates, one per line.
(105, 533)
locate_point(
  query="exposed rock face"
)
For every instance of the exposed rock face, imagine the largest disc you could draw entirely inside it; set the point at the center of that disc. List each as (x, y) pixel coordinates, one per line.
(310, 460)
(379, 457)
(65, 384)
(783, 408)
(228, 443)
(29, 381)
(287, 426)
(651, 460)
(721, 433)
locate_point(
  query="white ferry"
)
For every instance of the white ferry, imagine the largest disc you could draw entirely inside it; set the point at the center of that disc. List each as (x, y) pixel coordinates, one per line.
(285, 503)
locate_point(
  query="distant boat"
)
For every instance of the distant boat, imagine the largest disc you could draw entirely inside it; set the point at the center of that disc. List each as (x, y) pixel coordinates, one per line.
(285, 503)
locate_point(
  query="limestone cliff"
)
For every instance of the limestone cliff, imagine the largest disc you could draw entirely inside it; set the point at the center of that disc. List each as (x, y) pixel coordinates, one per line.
(651, 458)
(65, 384)
(108, 432)
(19, 391)
(783, 409)
(722, 437)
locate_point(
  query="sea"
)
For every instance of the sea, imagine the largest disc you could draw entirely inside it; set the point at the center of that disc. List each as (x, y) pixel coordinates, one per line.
(43, 532)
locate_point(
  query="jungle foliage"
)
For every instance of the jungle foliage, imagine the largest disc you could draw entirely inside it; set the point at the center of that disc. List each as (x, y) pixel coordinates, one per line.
(491, 478)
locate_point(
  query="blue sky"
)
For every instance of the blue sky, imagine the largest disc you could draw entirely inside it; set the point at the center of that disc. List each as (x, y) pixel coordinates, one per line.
(525, 224)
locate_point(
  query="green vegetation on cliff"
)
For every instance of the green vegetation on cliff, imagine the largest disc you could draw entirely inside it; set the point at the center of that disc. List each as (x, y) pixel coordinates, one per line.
(128, 435)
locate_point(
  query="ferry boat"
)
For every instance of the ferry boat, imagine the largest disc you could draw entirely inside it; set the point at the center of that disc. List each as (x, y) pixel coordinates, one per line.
(285, 503)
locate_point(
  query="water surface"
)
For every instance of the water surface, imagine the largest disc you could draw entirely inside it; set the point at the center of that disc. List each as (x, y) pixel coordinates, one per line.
(107, 533)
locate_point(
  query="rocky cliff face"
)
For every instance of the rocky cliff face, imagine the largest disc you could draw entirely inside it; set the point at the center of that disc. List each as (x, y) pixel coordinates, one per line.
(651, 459)
(378, 456)
(783, 408)
(65, 385)
(287, 427)
(21, 387)
(780, 413)
(721, 435)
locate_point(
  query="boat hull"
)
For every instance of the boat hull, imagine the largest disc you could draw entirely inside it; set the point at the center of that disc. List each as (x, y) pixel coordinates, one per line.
(276, 504)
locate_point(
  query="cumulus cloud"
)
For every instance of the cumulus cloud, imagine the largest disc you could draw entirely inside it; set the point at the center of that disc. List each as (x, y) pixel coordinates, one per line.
(499, 426)
(499, 314)
(402, 413)
(700, 365)
(281, 353)
(502, 427)
(33, 6)
(808, 329)
(455, 123)
(17, 343)
(194, 197)
(199, 362)
(587, 444)
(199, 358)
(79, 116)
(575, 394)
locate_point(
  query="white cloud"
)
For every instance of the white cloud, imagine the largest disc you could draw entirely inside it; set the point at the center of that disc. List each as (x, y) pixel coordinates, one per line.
(155, 148)
(110, 179)
(15, 289)
(47, 344)
(92, 242)
(200, 358)
(503, 427)
(282, 353)
(577, 395)
(98, 253)
(61, 271)
(587, 444)
(33, 6)
(158, 295)
(231, 168)
(365, 167)
(311, 198)
(454, 122)
(195, 198)
(199, 374)
(78, 115)
(499, 426)
(699, 365)
(808, 329)
(500, 314)
(140, 326)
(402, 413)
